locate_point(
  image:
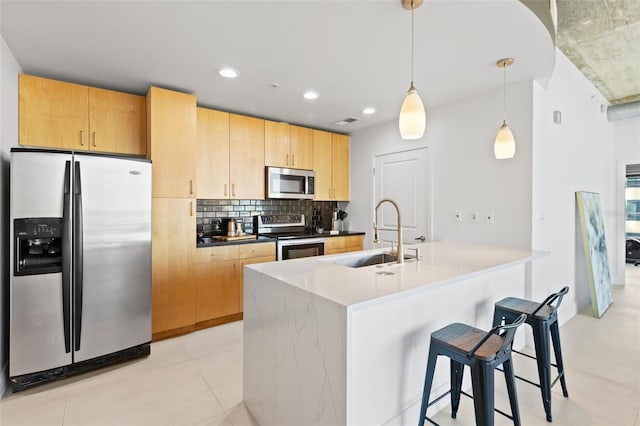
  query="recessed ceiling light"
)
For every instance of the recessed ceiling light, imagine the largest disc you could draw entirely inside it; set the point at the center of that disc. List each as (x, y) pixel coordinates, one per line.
(311, 95)
(369, 110)
(228, 72)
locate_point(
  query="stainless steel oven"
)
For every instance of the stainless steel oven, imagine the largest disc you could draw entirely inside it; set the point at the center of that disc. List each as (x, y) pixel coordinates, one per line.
(300, 247)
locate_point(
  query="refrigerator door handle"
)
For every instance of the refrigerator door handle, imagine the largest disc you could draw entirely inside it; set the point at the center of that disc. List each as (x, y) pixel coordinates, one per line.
(66, 257)
(77, 248)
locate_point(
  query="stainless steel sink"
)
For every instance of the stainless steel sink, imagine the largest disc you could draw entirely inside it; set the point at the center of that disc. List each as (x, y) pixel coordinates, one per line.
(368, 260)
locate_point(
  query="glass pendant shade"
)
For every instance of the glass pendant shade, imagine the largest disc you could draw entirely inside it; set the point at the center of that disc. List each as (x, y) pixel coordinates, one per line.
(505, 145)
(413, 119)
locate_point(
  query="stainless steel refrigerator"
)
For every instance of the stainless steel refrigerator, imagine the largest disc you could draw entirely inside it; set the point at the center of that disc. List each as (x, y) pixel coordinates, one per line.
(80, 283)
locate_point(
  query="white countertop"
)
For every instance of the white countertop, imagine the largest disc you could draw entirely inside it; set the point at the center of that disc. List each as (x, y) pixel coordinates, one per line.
(441, 262)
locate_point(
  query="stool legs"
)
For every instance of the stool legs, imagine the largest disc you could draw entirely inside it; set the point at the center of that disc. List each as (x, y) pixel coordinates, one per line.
(541, 342)
(482, 381)
(557, 350)
(509, 377)
(457, 370)
(428, 381)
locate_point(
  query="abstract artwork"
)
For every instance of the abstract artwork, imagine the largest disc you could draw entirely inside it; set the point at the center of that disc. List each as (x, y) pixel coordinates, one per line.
(595, 250)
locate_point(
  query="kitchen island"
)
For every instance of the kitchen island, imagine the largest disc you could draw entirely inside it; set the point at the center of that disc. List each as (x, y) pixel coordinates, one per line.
(329, 344)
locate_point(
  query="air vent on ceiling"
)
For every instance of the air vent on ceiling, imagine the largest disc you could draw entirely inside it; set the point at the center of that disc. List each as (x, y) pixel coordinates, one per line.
(346, 121)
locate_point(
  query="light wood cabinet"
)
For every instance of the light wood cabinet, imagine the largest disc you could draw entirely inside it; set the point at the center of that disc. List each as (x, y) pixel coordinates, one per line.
(117, 122)
(345, 244)
(172, 142)
(246, 157)
(57, 114)
(212, 168)
(301, 147)
(288, 146)
(173, 264)
(220, 277)
(277, 144)
(331, 164)
(340, 167)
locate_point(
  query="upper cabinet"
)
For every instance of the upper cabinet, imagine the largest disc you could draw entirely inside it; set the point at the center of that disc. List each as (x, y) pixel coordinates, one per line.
(212, 154)
(64, 115)
(246, 157)
(172, 142)
(117, 122)
(288, 146)
(331, 164)
(340, 167)
(301, 147)
(277, 144)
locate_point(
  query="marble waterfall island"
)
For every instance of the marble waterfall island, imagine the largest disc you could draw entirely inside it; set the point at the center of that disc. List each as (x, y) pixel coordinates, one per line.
(329, 344)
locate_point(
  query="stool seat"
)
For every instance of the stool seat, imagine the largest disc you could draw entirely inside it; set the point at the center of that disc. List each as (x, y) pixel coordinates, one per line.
(463, 338)
(543, 319)
(482, 351)
(522, 306)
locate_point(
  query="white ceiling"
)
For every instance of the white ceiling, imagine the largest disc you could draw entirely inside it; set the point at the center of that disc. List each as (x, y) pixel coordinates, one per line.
(356, 53)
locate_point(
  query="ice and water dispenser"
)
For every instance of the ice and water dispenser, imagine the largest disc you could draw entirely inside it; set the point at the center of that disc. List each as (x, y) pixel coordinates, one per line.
(38, 248)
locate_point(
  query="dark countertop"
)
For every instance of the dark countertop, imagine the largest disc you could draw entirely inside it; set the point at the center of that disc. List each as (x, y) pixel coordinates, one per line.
(267, 239)
(231, 243)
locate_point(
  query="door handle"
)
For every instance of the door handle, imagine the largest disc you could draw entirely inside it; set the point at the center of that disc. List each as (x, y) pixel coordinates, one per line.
(81, 137)
(420, 238)
(225, 189)
(233, 190)
(94, 139)
(190, 187)
(286, 159)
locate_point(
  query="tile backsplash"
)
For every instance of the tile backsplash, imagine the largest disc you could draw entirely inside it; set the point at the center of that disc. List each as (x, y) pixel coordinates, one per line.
(210, 212)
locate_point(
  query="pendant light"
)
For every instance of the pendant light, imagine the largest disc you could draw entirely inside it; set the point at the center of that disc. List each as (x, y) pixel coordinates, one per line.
(412, 119)
(504, 146)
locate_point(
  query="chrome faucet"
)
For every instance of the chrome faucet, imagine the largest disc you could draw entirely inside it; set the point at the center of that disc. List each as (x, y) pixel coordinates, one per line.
(376, 239)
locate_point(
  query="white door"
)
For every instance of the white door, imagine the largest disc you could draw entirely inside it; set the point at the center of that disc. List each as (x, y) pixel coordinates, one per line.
(404, 177)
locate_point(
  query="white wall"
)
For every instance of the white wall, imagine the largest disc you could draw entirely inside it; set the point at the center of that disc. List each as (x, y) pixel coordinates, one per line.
(533, 195)
(626, 150)
(464, 173)
(9, 70)
(572, 156)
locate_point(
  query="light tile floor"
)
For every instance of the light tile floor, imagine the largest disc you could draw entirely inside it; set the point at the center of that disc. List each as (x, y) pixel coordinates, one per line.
(197, 380)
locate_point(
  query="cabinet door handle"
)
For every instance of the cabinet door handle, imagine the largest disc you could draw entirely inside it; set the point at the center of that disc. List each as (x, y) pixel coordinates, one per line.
(190, 186)
(94, 139)
(233, 190)
(225, 189)
(81, 137)
(286, 159)
(190, 208)
(293, 159)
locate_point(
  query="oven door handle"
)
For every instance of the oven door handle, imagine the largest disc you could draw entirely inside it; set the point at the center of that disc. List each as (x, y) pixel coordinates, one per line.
(301, 241)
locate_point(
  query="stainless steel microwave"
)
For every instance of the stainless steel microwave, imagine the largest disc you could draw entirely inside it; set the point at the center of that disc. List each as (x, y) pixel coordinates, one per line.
(294, 184)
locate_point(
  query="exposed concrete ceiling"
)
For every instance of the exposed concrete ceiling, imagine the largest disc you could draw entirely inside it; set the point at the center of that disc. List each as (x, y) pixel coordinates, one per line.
(602, 38)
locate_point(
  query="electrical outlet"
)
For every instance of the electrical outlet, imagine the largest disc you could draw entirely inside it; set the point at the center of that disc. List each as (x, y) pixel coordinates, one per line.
(457, 215)
(474, 216)
(488, 217)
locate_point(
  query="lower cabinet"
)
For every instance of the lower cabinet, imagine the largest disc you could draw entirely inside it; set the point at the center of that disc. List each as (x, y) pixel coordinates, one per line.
(172, 258)
(219, 278)
(337, 245)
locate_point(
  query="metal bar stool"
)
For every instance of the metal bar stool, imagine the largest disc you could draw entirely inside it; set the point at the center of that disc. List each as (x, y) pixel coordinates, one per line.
(543, 319)
(483, 352)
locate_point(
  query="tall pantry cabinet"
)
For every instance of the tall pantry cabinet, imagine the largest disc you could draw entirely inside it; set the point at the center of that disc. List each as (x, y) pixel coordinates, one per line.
(172, 147)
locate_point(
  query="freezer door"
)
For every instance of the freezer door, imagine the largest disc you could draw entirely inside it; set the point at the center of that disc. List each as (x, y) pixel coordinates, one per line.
(37, 325)
(113, 298)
